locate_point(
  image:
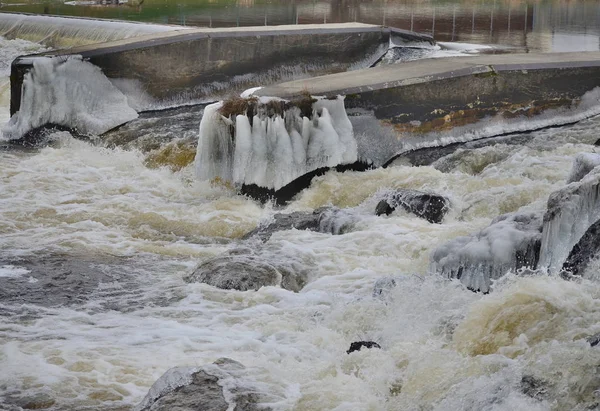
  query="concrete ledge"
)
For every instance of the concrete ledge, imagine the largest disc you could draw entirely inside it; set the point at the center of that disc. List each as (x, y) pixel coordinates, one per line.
(212, 63)
(435, 102)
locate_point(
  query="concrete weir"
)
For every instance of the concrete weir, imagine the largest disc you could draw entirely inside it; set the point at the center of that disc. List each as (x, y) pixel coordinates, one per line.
(435, 102)
(197, 64)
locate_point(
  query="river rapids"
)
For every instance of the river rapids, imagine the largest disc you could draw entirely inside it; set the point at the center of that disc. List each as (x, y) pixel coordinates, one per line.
(96, 237)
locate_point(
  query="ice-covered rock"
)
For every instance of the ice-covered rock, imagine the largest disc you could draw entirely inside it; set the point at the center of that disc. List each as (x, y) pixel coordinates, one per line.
(270, 142)
(68, 92)
(329, 220)
(570, 212)
(509, 243)
(431, 207)
(201, 388)
(582, 165)
(244, 269)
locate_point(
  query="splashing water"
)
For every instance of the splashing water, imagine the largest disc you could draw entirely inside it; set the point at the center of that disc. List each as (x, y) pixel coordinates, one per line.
(96, 240)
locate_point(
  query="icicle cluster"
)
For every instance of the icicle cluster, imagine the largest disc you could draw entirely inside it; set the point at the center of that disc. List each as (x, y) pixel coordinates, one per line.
(68, 92)
(272, 151)
(571, 211)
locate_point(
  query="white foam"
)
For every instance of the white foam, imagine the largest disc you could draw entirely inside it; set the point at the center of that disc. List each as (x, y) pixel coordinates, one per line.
(11, 271)
(68, 92)
(275, 150)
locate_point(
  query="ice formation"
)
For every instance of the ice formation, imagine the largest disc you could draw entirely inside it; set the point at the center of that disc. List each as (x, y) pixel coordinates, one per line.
(68, 92)
(583, 164)
(272, 150)
(509, 243)
(571, 211)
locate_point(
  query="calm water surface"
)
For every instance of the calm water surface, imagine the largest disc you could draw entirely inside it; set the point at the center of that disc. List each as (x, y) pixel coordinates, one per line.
(530, 25)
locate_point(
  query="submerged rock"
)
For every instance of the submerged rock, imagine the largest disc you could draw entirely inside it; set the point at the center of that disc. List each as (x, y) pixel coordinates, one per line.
(243, 270)
(511, 242)
(431, 207)
(594, 340)
(584, 251)
(357, 345)
(582, 165)
(329, 220)
(534, 387)
(199, 389)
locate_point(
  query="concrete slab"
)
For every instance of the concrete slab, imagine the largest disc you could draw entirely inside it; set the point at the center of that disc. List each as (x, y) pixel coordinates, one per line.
(422, 71)
(427, 103)
(198, 64)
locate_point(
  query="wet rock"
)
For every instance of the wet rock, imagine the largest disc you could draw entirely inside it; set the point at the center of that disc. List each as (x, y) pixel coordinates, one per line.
(244, 270)
(582, 165)
(534, 387)
(431, 207)
(62, 279)
(594, 340)
(584, 251)
(324, 220)
(510, 243)
(357, 345)
(199, 389)
(286, 193)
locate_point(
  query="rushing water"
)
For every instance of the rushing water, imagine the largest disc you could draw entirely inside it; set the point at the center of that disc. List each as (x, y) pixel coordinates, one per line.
(96, 237)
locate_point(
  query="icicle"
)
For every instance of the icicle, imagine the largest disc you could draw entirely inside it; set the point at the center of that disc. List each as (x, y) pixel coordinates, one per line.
(243, 153)
(214, 156)
(571, 211)
(258, 173)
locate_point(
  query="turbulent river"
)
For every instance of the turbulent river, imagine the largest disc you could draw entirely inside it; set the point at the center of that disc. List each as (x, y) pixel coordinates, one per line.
(97, 236)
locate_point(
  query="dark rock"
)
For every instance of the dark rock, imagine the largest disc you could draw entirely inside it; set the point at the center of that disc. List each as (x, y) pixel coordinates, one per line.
(357, 345)
(597, 143)
(534, 387)
(594, 340)
(198, 389)
(431, 207)
(584, 251)
(286, 193)
(325, 220)
(244, 270)
(510, 243)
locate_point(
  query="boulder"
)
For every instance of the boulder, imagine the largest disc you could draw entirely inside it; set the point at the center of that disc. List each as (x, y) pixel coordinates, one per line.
(582, 165)
(329, 220)
(242, 269)
(357, 345)
(510, 243)
(431, 207)
(200, 389)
